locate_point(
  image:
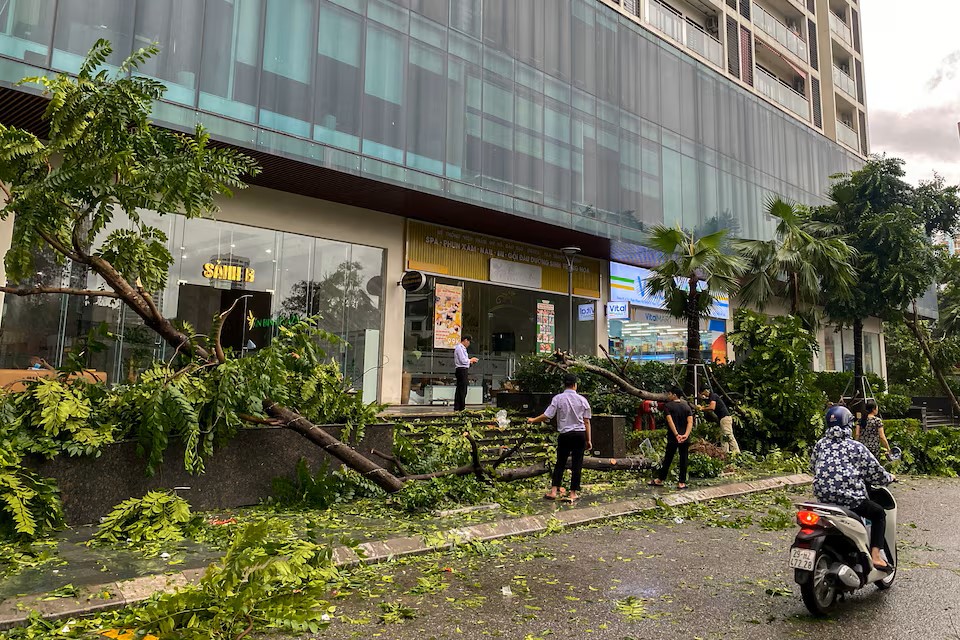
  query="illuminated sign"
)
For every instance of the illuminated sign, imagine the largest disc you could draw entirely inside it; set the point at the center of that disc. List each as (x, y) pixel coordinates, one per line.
(618, 310)
(230, 272)
(628, 284)
(281, 320)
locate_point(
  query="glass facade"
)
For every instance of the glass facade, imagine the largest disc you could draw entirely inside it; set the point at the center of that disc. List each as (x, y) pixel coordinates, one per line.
(563, 111)
(277, 277)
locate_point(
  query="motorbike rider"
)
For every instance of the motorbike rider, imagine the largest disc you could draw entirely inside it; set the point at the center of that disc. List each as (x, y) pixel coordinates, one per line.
(842, 469)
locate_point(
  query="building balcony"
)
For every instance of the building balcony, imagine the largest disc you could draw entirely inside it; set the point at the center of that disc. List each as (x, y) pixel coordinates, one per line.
(844, 82)
(848, 136)
(703, 43)
(783, 94)
(840, 28)
(788, 38)
(685, 31)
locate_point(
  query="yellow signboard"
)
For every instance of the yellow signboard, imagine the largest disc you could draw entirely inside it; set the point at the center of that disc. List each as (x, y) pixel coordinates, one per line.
(462, 254)
(230, 272)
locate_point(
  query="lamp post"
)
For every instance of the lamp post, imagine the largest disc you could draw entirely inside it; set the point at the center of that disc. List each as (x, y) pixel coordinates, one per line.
(569, 253)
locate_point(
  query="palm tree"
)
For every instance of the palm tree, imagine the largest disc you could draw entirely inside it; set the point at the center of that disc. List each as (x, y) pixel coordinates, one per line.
(693, 270)
(803, 256)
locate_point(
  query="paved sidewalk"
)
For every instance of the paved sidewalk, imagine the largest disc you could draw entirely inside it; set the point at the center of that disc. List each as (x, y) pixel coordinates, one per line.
(118, 594)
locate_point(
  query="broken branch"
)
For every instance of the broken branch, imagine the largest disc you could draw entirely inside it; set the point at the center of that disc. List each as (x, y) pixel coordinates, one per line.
(34, 291)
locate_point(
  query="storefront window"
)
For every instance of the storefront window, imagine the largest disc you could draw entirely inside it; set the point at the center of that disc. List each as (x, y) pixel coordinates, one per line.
(652, 334)
(503, 322)
(272, 278)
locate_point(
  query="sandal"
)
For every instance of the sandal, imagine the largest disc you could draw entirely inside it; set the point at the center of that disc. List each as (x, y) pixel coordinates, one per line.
(683, 487)
(655, 483)
(570, 500)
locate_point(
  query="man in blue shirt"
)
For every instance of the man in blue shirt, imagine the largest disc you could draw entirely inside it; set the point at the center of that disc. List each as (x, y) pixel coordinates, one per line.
(573, 424)
(462, 362)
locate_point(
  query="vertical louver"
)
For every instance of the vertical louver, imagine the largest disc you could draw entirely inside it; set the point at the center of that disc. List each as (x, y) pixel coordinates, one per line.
(856, 30)
(863, 134)
(812, 6)
(814, 55)
(745, 8)
(746, 55)
(632, 7)
(733, 51)
(859, 67)
(817, 109)
(732, 4)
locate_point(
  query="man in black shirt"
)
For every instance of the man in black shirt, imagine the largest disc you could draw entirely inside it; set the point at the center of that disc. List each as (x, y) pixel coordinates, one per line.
(679, 425)
(713, 402)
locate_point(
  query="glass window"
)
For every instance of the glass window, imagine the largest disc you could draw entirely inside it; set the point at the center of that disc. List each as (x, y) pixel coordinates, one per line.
(175, 25)
(556, 33)
(498, 25)
(607, 70)
(583, 46)
(529, 30)
(384, 90)
(230, 73)
(285, 96)
(670, 91)
(363, 293)
(338, 84)
(465, 16)
(557, 176)
(80, 23)
(26, 28)
(426, 106)
(672, 188)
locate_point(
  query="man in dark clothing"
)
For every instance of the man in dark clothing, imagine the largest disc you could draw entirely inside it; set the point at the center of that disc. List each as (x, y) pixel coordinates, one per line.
(679, 426)
(713, 402)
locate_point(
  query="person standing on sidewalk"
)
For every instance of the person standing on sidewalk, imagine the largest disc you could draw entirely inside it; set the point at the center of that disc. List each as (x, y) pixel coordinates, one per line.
(573, 424)
(713, 402)
(679, 426)
(462, 362)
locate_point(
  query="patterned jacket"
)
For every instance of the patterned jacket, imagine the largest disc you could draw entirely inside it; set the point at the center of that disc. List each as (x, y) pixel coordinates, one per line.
(842, 466)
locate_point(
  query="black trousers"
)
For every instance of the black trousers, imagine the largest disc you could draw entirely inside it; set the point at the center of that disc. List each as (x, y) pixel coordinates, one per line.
(460, 396)
(878, 520)
(570, 444)
(672, 446)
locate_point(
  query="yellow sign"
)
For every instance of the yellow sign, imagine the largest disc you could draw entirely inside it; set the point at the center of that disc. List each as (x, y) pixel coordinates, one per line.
(462, 254)
(230, 272)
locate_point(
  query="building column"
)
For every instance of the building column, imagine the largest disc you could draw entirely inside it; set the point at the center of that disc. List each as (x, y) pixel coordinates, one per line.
(394, 301)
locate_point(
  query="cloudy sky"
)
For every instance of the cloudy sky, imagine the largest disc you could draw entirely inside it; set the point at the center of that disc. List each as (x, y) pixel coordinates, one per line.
(912, 59)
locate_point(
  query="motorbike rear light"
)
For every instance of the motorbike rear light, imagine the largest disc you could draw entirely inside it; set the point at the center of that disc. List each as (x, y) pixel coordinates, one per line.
(807, 518)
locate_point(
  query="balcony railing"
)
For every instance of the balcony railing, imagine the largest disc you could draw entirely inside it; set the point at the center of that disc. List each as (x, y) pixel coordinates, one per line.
(839, 27)
(844, 82)
(780, 32)
(782, 93)
(686, 32)
(848, 136)
(703, 43)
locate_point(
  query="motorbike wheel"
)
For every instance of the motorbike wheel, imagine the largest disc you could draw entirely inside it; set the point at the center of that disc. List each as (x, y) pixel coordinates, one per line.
(887, 582)
(819, 592)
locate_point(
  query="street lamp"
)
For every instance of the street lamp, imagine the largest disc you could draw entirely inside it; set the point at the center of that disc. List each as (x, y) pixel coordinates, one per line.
(569, 253)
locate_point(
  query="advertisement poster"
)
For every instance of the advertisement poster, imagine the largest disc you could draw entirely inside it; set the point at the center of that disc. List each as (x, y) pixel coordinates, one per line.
(447, 316)
(545, 323)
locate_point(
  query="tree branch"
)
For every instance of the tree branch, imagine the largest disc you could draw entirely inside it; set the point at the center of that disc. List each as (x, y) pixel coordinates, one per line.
(393, 459)
(34, 291)
(564, 362)
(474, 455)
(267, 422)
(217, 346)
(5, 189)
(54, 242)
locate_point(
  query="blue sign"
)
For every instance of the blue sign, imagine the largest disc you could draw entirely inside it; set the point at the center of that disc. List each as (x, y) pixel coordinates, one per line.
(628, 283)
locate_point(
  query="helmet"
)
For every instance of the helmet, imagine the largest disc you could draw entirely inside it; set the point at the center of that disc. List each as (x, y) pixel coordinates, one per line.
(838, 417)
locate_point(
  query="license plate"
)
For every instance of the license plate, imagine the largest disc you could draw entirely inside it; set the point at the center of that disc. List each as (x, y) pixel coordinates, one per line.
(802, 558)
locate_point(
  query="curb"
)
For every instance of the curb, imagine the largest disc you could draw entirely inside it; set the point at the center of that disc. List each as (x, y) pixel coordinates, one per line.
(117, 595)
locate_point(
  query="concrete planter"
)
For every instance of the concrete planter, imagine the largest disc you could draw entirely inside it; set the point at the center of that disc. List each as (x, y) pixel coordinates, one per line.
(239, 474)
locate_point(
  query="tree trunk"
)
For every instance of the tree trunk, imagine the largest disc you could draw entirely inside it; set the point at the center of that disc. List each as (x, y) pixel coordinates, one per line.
(342, 452)
(859, 380)
(914, 327)
(693, 337)
(795, 298)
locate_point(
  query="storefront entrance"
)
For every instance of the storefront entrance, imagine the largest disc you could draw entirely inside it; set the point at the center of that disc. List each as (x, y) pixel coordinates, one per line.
(240, 332)
(511, 298)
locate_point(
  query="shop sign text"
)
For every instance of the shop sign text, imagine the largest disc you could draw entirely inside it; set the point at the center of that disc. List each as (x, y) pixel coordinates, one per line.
(229, 272)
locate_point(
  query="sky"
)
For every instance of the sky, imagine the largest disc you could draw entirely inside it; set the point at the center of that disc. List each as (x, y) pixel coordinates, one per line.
(912, 67)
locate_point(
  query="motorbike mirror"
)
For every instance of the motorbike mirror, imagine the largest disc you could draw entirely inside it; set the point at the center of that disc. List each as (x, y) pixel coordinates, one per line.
(896, 453)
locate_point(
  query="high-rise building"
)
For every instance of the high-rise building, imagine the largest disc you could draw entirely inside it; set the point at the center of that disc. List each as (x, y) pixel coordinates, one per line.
(462, 144)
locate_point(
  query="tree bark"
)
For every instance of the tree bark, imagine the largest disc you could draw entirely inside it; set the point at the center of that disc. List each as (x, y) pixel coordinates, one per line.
(33, 291)
(565, 362)
(859, 386)
(693, 338)
(914, 327)
(342, 452)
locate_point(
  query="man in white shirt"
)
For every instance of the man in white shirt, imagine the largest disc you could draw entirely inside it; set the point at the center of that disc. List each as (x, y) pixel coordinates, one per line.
(462, 362)
(573, 424)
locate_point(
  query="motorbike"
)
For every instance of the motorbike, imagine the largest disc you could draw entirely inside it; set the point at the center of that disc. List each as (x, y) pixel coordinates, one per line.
(830, 555)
